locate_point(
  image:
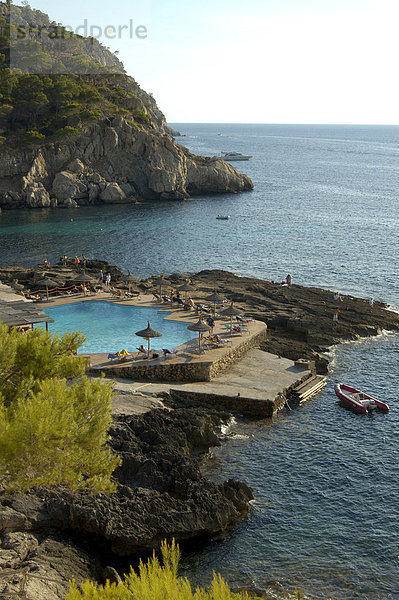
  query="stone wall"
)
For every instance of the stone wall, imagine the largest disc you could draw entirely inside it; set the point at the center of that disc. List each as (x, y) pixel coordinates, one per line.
(186, 371)
(163, 371)
(247, 343)
(254, 407)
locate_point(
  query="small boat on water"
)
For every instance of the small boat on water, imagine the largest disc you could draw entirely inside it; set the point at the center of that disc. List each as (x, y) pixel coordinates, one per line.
(359, 401)
(229, 156)
(223, 217)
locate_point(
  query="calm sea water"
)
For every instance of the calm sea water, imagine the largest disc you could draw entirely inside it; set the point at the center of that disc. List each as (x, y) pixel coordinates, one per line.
(325, 209)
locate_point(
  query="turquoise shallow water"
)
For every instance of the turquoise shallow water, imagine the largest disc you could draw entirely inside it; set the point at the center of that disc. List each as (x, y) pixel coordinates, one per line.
(110, 327)
(325, 209)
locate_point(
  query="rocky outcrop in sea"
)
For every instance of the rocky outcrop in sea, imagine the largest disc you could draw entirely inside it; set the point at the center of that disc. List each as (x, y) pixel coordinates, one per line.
(111, 162)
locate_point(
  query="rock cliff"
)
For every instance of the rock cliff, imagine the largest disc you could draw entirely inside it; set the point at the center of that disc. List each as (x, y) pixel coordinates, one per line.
(76, 130)
(111, 162)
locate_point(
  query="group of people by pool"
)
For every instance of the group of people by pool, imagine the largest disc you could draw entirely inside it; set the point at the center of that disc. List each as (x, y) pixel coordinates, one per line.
(188, 304)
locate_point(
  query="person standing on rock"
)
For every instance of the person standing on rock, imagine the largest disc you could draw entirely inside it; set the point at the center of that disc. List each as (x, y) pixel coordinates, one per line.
(335, 315)
(288, 279)
(100, 276)
(108, 279)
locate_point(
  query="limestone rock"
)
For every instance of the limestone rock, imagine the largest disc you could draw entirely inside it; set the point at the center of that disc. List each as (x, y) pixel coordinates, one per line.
(11, 519)
(15, 196)
(37, 171)
(69, 203)
(94, 192)
(67, 186)
(128, 189)
(76, 166)
(113, 194)
(111, 139)
(37, 196)
(15, 548)
(95, 178)
(115, 152)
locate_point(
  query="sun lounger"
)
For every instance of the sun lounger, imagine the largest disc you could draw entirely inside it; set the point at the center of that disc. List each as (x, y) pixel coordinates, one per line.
(123, 355)
(144, 353)
(167, 352)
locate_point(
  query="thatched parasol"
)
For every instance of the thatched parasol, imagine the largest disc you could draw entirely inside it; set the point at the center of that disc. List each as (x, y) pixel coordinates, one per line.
(147, 334)
(83, 278)
(215, 298)
(186, 287)
(201, 327)
(231, 312)
(129, 278)
(161, 282)
(48, 283)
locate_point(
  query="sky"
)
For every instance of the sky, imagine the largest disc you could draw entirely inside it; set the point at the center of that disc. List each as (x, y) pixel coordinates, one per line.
(252, 61)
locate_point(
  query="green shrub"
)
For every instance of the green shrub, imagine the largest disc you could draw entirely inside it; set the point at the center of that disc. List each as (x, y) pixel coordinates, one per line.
(67, 131)
(140, 115)
(53, 421)
(156, 582)
(33, 135)
(90, 115)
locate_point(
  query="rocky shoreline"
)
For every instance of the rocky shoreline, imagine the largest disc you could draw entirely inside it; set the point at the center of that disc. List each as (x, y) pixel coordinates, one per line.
(51, 535)
(111, 162)
(299, 318)
(56, 534)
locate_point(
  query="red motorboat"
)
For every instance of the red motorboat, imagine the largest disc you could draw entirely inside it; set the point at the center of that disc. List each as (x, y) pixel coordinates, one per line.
(359, 401)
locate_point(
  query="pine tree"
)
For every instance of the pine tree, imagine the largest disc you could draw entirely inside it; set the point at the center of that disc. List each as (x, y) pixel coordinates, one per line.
(53, 420)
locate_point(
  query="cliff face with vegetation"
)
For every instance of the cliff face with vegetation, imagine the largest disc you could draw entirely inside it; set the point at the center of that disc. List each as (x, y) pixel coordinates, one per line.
(76, 130)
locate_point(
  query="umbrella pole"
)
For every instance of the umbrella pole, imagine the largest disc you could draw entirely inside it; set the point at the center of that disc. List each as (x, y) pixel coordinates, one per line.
(199, 341)
(148, 349)
(47, 293)
(231, 325)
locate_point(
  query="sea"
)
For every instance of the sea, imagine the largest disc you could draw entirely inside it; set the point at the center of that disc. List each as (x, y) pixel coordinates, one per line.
(324, 208)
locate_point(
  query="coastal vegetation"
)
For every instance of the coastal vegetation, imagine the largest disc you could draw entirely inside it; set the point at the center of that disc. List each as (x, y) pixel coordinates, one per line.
(156, 581)
(53, 421)
(53, 81)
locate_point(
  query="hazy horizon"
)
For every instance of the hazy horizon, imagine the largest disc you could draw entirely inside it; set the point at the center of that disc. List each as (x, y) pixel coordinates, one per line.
(286, 123)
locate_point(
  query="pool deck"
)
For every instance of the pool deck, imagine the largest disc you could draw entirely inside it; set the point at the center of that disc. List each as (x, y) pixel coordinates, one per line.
(236, 376)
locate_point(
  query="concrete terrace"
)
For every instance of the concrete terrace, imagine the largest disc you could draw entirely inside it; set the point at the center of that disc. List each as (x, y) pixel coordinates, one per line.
(236, 376)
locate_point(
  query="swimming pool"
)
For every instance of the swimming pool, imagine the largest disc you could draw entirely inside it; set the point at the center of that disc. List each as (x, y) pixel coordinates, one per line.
(110, 327)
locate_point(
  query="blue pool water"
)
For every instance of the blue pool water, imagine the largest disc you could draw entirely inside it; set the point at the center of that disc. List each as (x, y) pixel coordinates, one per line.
(110, 327)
